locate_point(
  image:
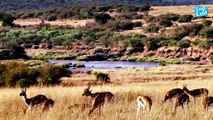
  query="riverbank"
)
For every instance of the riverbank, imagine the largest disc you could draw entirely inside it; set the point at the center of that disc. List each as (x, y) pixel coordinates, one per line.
(170, 55)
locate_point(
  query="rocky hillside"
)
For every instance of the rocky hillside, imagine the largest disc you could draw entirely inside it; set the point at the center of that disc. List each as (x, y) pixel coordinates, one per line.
(6, 5)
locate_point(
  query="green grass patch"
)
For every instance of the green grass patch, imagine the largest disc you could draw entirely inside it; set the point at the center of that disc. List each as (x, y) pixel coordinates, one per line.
(81, 58)
(156, 60)
(53, 56)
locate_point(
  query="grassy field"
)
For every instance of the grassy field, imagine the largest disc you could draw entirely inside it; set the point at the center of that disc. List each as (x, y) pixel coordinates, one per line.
(69, 100)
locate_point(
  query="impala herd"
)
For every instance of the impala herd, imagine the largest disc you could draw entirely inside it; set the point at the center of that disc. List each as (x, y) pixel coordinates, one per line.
(181, 97)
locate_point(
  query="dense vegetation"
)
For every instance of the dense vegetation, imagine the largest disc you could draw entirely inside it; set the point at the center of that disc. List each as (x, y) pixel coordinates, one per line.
(25, 74)
(165, 30)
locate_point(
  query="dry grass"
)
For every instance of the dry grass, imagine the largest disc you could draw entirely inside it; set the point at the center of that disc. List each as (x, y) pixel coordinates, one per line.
(138, 75)
(178, 10)
(68, 100)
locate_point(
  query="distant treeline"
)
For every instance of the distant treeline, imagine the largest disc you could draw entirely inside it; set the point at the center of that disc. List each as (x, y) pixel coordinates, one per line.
(76, 11)
(7, 5)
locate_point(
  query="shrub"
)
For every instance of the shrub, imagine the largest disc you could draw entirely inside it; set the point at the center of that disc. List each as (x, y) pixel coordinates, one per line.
(81, 58)
(14, 47)
(180, 33)
(152, 28)
(24, 75)
(152, 43)
(165, 23)
(207, 22)
(172, 16)
(207, 32)
(126, 25)
(185, 18)
(50, 75)
(18, 74)
(7, 19)
(137, 44)
(102, 18)
(102, 77)
(51, 18)
(185, 43)
(144, 8)
(122, 25)
(137, 24)
(79, 65)
(149, 18)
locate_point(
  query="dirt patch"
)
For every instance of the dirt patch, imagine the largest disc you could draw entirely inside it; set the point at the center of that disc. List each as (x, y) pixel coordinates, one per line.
(63, 22)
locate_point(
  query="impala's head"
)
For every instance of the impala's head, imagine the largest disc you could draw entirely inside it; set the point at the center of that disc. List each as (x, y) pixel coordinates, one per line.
(87, 92)
(185, 87)
(23, 92)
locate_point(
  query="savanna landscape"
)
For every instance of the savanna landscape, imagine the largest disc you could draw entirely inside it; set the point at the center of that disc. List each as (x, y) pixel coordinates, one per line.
(179, 44)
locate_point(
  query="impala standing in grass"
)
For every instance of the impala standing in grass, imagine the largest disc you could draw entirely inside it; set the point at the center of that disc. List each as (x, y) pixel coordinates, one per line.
(173, 93)
(181, 100)
(38, 100)
(143, 103)
(207, 102)
(196, 92)
(99, 98)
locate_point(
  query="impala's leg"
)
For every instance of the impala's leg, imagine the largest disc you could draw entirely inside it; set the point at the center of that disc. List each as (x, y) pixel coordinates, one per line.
(92, 110)
(99, 107)
(28, 109)
(182, 106)
(176, 107)
(138, 111)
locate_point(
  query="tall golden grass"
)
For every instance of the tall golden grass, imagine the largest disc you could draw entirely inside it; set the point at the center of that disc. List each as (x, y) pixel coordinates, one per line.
(69, 100)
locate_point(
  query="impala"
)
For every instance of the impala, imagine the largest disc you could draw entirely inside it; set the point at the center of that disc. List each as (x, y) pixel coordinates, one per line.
(173, 93)
(143, 103)
(99, 98)
(196, 92)
(36, 100)
(208, 101)
(181, 99)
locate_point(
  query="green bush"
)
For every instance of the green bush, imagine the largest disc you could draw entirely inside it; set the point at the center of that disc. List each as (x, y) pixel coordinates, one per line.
(185, 43)
(102, 18)
(165, 23)
(50, 75)
(152, 28)
(180, 33)
(144, 8)
(7, 19)
(21, 74)
(152, 43)
(137, 44)
(126, 25)
(18, 74)
(137, 24)
(207, 32)
(102, 77)
(172, 16)
(81, 58)
(207, 22)
(79, 65)
(185, 18)
(149, 18)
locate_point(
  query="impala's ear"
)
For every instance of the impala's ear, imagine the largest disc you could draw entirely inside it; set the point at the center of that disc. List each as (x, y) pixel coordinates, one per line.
(25, 89)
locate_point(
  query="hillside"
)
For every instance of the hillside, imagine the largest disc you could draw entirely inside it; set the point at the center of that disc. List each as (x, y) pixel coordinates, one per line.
(6, 5)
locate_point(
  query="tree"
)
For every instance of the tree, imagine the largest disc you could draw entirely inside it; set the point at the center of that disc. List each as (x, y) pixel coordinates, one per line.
(102, 18)
(7, 19)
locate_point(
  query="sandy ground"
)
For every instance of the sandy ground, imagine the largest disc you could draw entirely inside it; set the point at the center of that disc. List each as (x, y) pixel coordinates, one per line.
(63, 22)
